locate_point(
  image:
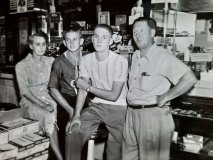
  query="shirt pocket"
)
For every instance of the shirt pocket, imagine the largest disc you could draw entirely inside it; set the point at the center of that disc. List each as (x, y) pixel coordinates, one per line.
(150, 82)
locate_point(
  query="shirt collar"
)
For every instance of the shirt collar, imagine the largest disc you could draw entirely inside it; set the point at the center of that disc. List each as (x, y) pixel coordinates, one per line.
(79, 57)
(150, 54)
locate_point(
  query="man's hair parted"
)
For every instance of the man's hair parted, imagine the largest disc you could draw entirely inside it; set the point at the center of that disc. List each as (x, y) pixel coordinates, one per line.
(150, 21)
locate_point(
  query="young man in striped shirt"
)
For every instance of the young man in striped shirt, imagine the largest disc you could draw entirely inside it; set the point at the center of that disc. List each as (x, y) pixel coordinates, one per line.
(64, 70)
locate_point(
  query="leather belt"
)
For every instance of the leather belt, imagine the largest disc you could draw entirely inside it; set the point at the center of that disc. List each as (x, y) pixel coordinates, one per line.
(142, 106)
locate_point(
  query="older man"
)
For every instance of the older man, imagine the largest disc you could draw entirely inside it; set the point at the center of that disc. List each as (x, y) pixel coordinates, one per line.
(149, 124)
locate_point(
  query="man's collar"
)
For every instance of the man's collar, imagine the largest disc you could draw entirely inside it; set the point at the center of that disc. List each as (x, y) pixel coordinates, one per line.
(150, 53)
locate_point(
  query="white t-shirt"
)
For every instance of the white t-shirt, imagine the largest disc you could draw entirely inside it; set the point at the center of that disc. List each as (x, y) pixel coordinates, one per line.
(104, 73)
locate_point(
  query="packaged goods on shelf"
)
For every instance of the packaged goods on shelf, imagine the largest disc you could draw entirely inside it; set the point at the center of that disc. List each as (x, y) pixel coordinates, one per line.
(19, 127)
(8, 151)
(193, 143)
(28, 147)
(43, 155)
(36, 138)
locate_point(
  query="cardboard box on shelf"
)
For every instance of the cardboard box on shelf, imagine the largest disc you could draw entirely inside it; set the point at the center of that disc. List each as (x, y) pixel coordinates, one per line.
(19, 127)
(8, 151)
(3, 136)
(22, 144)
(43, 155)
(28, 147)
(36, 138)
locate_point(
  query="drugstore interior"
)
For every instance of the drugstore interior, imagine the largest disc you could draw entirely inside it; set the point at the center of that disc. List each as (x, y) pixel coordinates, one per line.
(185, 27)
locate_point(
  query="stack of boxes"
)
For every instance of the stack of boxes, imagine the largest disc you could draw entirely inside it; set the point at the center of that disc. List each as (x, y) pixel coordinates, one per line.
(20, 140)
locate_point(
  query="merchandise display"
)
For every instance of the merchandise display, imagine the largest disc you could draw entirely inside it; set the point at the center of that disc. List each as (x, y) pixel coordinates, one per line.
(17, 128)
(20, 140)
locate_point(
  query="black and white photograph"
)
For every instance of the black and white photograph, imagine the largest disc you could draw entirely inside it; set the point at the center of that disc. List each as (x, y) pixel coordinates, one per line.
(106, 79)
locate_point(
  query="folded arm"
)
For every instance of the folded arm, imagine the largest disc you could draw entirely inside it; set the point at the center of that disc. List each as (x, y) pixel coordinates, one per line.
(110, 95)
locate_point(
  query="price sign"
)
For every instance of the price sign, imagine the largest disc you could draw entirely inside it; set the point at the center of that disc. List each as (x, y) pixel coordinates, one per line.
(125, 49)
(201, 57)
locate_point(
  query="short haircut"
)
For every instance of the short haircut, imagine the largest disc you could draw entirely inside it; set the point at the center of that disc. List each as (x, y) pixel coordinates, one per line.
(38, 34)
(74, 27)
(151, 22)
(104, 26)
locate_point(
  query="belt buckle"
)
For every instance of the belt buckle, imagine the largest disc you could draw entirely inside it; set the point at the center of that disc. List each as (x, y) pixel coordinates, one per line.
(142, 106)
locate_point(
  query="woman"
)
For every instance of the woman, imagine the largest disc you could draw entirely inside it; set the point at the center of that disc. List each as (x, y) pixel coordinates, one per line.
(33, 74)
(137, 9)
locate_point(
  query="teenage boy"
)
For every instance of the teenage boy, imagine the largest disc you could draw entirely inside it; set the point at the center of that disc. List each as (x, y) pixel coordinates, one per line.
(64, 70)
(102, 73)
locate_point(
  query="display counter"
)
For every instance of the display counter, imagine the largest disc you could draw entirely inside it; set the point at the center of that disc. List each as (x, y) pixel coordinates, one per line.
(192, 115)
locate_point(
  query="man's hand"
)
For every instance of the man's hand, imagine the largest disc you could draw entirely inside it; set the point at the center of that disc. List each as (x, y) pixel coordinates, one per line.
(46, 106)
(161, 100)
(73, 124)
(82, 83)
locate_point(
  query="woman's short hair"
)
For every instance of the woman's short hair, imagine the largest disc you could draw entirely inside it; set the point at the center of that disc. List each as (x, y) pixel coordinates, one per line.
(38, 34)
(104, 26)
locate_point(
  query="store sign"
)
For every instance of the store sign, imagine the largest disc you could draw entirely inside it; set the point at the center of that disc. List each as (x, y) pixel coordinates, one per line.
(125, 49)
(201, 57)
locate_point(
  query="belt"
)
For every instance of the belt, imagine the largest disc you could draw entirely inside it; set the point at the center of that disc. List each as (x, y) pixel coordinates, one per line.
(142, 106)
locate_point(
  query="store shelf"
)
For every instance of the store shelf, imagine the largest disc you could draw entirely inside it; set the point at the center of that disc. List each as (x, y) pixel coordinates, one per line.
(192, 115)
(178, 153)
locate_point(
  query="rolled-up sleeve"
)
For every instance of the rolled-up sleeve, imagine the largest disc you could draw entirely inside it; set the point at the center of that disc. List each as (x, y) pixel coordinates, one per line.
(121, 69)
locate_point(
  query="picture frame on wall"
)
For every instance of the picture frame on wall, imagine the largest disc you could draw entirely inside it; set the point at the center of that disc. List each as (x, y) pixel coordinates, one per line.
(21, 6)
(120, 19)
(104, 17)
